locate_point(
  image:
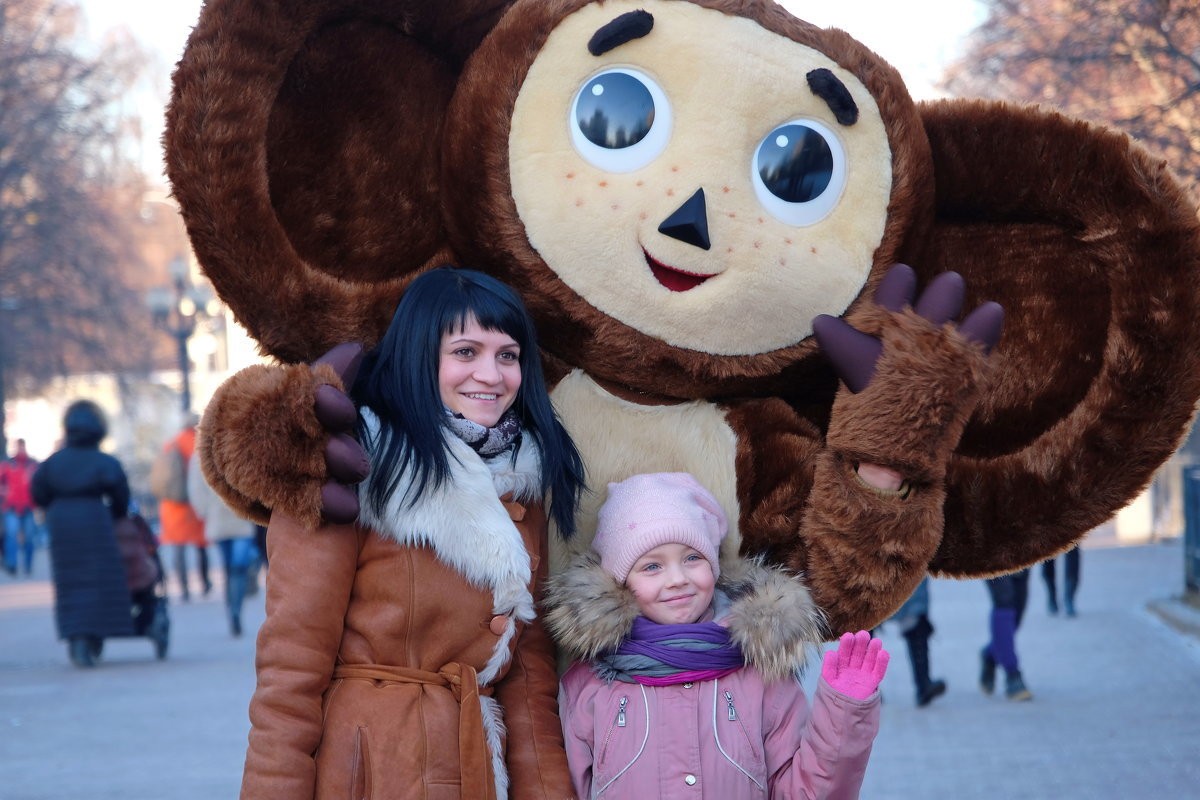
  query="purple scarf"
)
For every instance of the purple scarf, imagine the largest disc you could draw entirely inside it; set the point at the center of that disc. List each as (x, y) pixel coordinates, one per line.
(663, 655)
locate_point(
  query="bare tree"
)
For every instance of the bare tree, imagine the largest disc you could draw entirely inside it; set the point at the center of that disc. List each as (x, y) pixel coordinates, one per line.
(1131, 64)
(70, 271)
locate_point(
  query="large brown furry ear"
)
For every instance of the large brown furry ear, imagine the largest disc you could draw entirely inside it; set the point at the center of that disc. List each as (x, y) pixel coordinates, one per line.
(1093, 249)
(303, 143)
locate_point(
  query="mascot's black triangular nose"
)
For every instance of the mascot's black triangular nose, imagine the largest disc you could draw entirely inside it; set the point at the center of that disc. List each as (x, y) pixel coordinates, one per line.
(689, 223)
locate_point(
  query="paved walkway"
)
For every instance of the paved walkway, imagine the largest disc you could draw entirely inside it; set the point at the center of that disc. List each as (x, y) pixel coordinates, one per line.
(1116, 708)
(1116, 712)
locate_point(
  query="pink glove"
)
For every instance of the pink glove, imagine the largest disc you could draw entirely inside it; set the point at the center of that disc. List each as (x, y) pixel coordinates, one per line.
(856, 666)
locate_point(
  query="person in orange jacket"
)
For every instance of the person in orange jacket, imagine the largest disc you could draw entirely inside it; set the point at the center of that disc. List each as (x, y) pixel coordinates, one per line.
(180, 527)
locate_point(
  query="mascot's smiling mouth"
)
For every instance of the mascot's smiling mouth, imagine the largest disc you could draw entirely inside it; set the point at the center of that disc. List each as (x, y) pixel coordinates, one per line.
(674, 279)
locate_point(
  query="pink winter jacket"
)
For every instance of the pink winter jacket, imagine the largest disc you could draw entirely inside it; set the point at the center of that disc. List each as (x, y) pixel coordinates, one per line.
(725, 739)
(750, 734)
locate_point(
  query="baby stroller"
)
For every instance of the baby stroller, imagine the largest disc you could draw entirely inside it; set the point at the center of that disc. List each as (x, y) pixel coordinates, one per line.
(145, 577)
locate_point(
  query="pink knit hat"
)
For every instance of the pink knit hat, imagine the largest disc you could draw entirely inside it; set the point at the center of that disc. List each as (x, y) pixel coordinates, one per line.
(645, 511)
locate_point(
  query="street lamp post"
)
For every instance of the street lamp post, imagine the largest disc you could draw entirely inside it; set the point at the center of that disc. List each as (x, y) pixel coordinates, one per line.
(175, 310)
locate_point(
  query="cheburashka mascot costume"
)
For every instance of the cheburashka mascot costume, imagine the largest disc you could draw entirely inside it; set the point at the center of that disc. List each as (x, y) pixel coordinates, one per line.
(701, 202)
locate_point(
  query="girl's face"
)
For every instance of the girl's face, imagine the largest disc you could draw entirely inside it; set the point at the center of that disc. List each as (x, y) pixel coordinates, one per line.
(479, 372)
(673, 584)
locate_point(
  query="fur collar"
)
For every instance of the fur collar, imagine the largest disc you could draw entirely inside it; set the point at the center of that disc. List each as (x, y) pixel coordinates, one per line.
(463, 520)
(770, 613)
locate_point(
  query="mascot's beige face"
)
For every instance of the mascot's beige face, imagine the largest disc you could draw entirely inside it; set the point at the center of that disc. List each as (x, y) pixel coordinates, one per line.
(677, 190)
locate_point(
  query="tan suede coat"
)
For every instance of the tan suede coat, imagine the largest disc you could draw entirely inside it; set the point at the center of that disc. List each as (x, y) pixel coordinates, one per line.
(384, 673)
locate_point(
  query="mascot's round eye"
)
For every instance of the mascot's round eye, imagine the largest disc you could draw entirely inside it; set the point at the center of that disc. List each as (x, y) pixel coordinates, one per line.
(620, 120)
(799, 171)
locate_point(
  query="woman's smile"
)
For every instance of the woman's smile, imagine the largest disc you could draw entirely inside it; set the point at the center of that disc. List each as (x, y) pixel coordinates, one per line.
(479, 372)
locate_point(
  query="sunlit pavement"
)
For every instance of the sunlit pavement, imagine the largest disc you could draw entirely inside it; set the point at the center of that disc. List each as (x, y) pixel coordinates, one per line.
(1116, 707)
(1115, 714)
(132, 727)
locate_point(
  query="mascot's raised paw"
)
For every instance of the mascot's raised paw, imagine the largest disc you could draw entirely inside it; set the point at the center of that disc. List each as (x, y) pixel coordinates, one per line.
(300, 454)
(914, 349)
(854, 353)
(344, 456)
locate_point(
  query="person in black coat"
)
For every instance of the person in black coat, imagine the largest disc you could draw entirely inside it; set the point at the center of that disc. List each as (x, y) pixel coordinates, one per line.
(83, 490)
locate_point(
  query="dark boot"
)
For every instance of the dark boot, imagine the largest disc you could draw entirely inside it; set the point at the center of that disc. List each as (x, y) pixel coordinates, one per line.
(987, 671)
(1072, 581)
(917, 639)
(160, 630)
(1014, 687)
(235, 595)
(202, 561)
(1051, 588)
(78, 648)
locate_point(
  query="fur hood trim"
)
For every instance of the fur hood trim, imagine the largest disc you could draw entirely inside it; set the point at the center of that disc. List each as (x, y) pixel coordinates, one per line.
(769, 612)
(463, 520)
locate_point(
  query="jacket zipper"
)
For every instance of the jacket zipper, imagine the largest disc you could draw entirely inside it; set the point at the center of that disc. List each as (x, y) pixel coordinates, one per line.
(620, 724)
(729, 705)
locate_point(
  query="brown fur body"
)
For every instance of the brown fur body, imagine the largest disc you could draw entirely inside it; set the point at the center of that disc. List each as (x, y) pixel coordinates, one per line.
(323, 153)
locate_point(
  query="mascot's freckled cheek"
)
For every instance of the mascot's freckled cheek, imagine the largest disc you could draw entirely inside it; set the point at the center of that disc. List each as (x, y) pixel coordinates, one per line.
(608, 234)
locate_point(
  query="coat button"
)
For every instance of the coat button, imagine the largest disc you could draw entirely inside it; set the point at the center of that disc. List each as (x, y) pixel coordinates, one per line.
(690, 780)
(499, 624)
(687, 685)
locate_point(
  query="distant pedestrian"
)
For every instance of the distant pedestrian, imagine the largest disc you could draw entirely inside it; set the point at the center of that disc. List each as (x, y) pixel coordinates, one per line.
(83, 491)
(1071, 568)
(179, 525)
(913, 621)
(16, 508)
(685, 682)
(1009, 595)
(233, 536)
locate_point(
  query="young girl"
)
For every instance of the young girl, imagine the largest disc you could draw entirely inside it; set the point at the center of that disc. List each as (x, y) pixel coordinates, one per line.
(402, 658)
(690, 683)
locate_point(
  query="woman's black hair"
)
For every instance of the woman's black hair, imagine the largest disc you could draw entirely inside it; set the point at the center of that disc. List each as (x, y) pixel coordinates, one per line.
(399, 383)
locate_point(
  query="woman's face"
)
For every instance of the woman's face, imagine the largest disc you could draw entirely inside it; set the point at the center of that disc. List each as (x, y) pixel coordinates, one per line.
(673, 584)
(479, 372)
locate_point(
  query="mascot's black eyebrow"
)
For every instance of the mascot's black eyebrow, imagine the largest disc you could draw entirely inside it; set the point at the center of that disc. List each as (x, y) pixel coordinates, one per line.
(625, 28)
(825, 85)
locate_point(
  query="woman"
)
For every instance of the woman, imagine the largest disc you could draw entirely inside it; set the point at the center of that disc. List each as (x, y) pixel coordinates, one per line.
(83, 491)
(406, 652)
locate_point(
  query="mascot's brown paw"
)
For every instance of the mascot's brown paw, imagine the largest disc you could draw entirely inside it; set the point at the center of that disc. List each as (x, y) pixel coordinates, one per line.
(262, 446)
(910, 413)
(854, 354)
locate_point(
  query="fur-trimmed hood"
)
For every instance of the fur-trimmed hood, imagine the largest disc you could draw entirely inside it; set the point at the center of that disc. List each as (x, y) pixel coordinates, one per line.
(770, 613)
